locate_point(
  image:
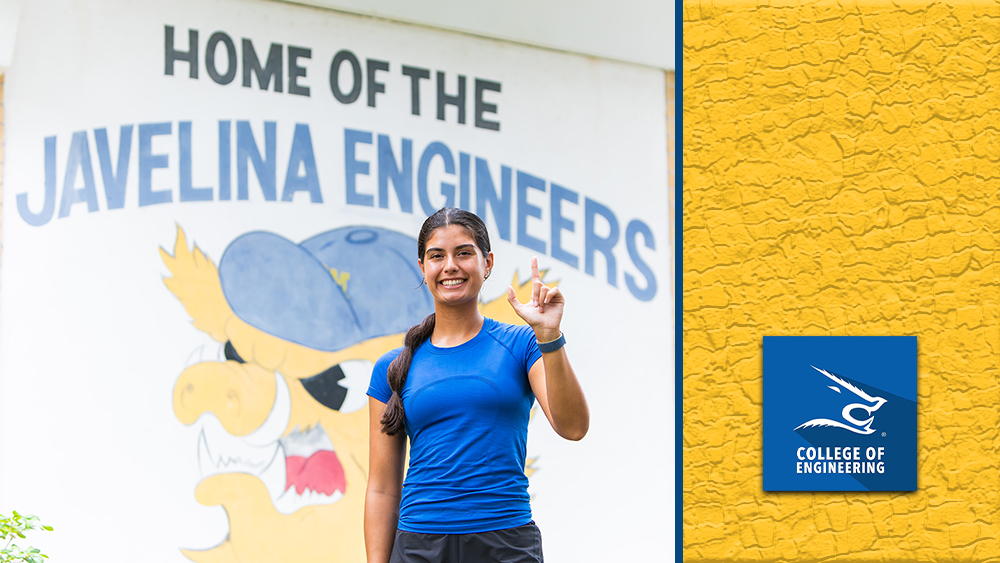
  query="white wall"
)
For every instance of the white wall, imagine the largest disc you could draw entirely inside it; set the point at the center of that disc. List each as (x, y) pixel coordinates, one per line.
(636, 31)
(10, 11)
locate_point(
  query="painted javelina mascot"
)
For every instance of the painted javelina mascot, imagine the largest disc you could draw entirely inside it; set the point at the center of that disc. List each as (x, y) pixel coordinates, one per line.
(282, 403)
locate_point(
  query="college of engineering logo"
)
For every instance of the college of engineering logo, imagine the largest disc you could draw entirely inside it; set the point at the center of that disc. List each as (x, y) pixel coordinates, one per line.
(857, 426)
(840, 413)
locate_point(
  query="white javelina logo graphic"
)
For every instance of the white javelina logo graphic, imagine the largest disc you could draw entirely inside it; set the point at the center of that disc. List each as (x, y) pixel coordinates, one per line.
(856, 426)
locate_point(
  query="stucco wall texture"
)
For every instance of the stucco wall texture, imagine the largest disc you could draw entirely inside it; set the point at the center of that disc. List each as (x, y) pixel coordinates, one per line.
(842, 177)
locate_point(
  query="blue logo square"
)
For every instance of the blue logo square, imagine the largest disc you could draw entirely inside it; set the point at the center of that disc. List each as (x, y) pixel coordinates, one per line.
(840, 413)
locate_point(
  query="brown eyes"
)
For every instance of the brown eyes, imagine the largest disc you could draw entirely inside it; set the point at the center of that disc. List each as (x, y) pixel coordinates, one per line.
(461, 253)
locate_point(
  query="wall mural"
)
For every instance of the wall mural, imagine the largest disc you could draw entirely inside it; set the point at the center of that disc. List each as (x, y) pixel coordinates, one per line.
(208, 228)
(296, 329)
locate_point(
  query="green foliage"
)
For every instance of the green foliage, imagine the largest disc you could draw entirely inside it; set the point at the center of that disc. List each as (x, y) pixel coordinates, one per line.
(14, 527)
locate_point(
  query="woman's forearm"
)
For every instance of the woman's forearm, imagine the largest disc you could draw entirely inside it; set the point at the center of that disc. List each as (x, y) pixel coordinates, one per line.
(381, 519)
(568, 411)
(567, 405)
(552, 380)
(385, 486)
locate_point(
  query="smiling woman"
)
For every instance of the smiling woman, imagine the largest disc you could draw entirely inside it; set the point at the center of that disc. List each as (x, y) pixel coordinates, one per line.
(462, 388)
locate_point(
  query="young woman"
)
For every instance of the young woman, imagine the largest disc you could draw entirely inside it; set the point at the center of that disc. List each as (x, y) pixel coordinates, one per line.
(462, 388)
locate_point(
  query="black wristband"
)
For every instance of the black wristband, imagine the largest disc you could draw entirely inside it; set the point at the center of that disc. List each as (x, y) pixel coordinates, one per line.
(554, 345)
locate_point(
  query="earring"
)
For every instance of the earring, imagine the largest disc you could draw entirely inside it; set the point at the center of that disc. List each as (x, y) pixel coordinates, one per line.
(488, 272)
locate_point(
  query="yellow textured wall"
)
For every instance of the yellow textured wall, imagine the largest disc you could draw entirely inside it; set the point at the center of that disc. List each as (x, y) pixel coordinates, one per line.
(842, 177)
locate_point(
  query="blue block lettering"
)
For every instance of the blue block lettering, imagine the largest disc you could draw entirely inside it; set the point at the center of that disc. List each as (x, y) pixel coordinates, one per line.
(525, 210)
(78, 162)
(353, 167)
(265, 168)
(595, 243)
(464, 171)
(436, 148)
(561, 223)
(149, 162)
(187, 189)
(49, 203)
(302, 154)
(400, 175)
(634, 228)
(486, 194)
(115, 180)
(225, 161)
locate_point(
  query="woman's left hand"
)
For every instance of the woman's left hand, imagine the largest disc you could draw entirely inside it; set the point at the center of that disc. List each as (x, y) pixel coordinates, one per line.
(545, 309)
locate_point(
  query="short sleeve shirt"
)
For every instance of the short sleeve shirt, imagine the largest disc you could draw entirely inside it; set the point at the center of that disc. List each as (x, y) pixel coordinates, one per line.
(467, 409)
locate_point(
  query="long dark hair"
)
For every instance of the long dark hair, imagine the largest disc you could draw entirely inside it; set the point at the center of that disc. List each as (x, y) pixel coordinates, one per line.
(393, 419)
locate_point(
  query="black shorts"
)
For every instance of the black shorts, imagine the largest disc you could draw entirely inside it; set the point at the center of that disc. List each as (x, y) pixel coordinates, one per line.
(522, 544)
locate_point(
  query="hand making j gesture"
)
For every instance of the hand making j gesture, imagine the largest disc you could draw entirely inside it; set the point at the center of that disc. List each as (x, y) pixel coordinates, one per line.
(545, 309)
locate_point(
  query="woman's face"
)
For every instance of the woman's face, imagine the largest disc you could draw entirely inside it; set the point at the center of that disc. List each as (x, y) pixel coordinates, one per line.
(453, 265)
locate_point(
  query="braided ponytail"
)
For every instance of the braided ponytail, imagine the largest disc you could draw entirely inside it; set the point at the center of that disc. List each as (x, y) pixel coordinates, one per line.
(393, 419)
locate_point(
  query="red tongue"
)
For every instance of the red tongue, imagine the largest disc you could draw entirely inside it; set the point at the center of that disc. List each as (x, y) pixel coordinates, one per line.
(321, 472)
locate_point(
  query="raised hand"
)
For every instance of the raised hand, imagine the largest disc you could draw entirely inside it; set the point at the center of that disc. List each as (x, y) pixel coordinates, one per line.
(545, 309)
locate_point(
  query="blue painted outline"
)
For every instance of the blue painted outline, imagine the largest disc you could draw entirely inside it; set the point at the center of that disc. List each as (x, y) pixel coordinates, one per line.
(678, 282)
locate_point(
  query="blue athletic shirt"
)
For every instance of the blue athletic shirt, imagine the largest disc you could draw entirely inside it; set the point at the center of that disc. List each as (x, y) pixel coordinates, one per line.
(467, 410)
